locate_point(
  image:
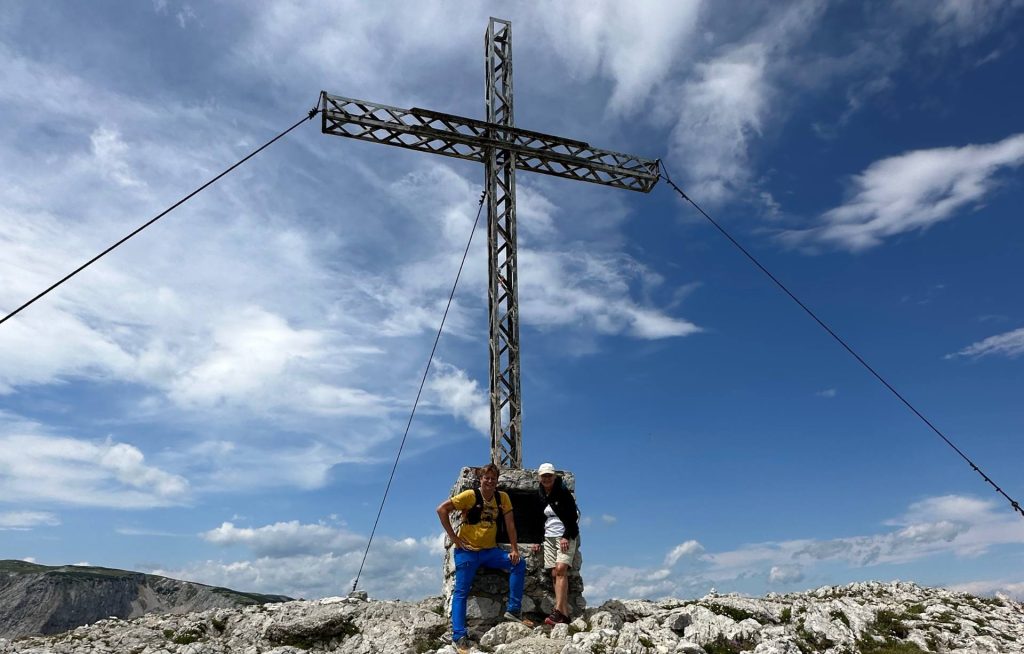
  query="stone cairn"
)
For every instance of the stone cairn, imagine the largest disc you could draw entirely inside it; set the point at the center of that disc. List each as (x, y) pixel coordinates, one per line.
(486, 602)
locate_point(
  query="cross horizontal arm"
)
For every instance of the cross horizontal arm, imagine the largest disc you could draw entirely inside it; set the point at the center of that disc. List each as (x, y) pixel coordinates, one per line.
(465, 138)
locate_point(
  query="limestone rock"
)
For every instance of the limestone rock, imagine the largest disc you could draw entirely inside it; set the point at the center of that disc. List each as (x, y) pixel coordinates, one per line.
(506, 632)
(833, 620)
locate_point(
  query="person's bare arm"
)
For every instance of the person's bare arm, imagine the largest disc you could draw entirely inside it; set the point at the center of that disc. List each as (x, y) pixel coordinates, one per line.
(444, 515)
(510, 528)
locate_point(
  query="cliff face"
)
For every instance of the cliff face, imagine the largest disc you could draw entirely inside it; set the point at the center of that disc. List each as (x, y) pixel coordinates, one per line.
(865, 618)
(37, 599)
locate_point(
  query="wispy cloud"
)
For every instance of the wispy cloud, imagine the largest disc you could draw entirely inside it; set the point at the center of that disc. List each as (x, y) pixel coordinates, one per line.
(21, 520)
(689, 548)
(285, 539)
(911, 192)
(725, 104)
(1009, 344)
(827, 393)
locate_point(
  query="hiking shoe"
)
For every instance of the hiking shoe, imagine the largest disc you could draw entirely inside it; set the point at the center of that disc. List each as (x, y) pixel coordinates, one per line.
(556, 617)
(463, 645)
(517, 616)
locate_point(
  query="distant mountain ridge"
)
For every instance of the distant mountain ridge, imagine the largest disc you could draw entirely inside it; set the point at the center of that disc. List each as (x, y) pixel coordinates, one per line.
(40, 599)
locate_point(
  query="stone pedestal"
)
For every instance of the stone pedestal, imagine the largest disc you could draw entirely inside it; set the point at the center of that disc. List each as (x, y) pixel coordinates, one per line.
(487, 600)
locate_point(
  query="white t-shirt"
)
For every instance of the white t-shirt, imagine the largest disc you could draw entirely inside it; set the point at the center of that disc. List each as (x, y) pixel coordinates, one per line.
(552, 525)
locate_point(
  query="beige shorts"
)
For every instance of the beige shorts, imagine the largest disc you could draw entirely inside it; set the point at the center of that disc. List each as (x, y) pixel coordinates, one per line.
(553, 551)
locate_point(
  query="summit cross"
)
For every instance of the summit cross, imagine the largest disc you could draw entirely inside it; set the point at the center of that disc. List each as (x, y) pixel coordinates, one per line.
(502, 148)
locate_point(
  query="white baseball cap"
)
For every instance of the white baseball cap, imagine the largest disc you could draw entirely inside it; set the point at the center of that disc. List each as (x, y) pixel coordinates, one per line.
(546, 469)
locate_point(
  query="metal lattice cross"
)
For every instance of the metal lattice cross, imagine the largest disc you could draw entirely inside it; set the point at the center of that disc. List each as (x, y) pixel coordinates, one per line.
(502, 148)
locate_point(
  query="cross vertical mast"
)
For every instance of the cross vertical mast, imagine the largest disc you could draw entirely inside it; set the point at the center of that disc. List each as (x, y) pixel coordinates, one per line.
(503, 290)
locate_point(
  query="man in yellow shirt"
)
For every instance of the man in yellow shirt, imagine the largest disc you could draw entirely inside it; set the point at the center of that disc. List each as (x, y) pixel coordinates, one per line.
(476, 546)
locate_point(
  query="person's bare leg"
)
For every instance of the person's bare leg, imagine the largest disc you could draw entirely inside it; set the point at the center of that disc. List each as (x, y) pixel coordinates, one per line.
(560, 573)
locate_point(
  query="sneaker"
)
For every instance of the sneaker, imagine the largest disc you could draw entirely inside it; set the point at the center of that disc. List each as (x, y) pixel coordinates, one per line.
(517, 616)
(463, 645)
(556, 617)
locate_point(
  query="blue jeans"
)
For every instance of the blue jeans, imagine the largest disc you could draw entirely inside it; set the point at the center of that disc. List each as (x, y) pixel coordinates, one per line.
(466, 564)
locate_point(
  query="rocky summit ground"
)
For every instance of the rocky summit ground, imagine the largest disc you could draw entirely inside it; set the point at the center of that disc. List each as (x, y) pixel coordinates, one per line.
(868, 618)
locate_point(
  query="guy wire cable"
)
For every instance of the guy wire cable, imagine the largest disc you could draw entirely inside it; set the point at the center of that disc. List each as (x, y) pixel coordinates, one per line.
(309, 116)
(419, 392)
(1013, 503)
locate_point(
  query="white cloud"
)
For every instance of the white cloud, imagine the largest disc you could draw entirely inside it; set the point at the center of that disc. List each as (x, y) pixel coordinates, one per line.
(39, 467)
(591, 290)
(966, 21)
(27, 519)
(636, 46)
(285, 539)
(828, 392)
(453, 390)
(785, 574)
(608, 519)
(683, 550)
(316, 560)
(110, 153)
(992, 587)
(137, 531)
(1009, 344)
(723, 111)
(948, 525)
(722, 108)
(913, 191)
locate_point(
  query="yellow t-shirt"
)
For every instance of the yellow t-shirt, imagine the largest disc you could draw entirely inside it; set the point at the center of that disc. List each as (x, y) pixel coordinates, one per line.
(484, 533)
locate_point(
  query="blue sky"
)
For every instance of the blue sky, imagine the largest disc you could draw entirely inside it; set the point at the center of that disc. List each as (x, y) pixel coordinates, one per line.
(221, 398)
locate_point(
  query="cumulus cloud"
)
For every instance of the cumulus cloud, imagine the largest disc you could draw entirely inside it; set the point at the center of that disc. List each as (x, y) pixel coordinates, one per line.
(1009, 344)
(785, 574)
(960, 526)
(454, 391)
(40, 467)
(911, 192)
(992, 587)
(317, 560)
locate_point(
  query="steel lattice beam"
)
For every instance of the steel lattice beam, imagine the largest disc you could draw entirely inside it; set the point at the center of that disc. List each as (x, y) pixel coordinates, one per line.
(502, 147)
(466, 138)
(503, 286)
